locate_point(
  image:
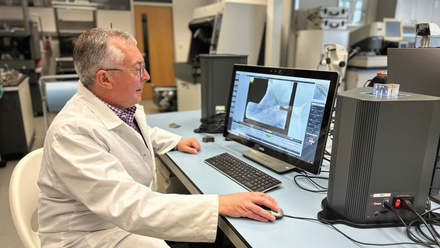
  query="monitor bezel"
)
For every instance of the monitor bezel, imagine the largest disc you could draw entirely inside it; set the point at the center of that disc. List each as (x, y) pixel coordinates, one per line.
(332, 76)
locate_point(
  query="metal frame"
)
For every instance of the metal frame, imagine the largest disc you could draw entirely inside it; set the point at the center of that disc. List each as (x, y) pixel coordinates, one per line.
(41, 84)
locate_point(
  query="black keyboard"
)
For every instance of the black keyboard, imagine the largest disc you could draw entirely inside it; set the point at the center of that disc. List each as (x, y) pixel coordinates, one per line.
(243, 173)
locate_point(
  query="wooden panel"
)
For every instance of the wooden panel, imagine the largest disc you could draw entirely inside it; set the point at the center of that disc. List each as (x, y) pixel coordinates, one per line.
(160, 45)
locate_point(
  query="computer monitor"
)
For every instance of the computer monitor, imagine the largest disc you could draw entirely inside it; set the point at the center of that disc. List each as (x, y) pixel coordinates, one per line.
(282, 113)
(392, 30)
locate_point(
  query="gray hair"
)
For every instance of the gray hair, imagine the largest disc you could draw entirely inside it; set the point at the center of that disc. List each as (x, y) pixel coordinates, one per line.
(92, 52)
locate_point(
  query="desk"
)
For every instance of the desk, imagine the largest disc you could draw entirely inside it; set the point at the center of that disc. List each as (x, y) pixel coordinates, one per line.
(198, 177)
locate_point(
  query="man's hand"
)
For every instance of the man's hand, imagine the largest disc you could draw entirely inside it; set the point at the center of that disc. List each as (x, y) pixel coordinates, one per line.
(246, 205)
(189, 145)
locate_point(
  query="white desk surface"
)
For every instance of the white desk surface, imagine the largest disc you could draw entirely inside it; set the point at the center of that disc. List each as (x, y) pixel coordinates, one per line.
(286, 232)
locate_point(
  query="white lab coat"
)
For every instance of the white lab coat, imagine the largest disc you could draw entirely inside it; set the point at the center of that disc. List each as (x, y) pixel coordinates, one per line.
(97, 182)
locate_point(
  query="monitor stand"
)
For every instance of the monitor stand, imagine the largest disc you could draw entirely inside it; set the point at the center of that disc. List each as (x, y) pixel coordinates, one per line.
(268, 161)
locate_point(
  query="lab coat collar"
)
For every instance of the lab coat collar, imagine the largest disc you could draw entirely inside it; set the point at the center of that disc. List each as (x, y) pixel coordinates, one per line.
(102, 111)
(111, 121)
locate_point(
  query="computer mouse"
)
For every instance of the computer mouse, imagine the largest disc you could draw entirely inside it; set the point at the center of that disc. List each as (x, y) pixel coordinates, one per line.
(278, 214)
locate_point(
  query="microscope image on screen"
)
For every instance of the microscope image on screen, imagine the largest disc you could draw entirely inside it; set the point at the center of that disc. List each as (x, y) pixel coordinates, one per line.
(273, 107)
(321, 92)
(274, 103)
(282, 106)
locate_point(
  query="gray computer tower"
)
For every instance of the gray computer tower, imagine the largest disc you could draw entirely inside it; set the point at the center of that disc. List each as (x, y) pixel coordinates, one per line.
(216, 79)
(383, 149)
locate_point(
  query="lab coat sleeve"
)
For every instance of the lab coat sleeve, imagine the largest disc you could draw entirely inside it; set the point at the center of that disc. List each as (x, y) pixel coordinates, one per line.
(94, 177)
(163, 141)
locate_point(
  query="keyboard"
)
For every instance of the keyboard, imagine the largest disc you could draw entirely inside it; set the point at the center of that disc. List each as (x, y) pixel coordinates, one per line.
(243, 173)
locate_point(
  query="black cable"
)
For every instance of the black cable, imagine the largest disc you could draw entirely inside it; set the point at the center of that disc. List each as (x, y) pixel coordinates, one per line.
(348, 237)
(433, 218)
(422, 233)
(320, 189)
(408, 230)
(408, 205)
(367, 82)
(327, 153)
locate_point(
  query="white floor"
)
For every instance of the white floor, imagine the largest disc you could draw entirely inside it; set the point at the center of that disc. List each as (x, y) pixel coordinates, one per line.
(8, 236)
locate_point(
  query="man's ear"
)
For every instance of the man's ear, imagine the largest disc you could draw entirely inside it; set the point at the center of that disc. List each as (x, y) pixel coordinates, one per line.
(103, 80)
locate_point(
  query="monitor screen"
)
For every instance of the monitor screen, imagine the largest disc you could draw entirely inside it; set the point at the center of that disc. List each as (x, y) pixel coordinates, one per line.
(282, 112)
(393, 30)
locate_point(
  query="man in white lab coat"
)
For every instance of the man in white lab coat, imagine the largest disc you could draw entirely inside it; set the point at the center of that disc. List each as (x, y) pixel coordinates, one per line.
(97, 177)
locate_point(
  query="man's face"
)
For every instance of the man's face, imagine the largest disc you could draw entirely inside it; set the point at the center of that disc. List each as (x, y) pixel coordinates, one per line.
(127, 83)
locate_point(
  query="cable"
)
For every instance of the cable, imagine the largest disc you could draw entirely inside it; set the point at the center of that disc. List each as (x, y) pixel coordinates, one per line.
(408, 230)
(348, 237)
(367, 82)
(408, 205)
(319, 188)
(327, 153)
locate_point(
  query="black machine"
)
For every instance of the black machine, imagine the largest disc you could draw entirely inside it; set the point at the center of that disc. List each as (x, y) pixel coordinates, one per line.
(19, 45)
(383, 153)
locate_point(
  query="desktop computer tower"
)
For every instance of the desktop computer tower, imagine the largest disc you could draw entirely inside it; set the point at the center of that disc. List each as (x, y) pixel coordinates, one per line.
(216, 77)
(383, 150)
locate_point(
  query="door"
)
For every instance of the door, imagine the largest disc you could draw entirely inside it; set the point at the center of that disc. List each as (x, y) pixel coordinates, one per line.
(154, 34)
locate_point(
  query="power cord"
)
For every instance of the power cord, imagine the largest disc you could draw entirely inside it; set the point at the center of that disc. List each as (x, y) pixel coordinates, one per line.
(367, 82)
(408, 205)
(309, 178)
(348, 237)
(410, 235)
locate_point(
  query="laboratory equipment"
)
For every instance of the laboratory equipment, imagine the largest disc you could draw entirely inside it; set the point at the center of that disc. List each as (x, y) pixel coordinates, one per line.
(216, 74)
(373, 41)
(17, 127)
(426, 30)
(383, 151)
(335, 58)
(376, 36)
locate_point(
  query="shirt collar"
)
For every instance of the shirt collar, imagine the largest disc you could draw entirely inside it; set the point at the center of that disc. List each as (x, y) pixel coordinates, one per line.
(126, 115)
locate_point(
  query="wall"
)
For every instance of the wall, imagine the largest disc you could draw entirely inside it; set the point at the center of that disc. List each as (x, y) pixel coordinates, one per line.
(418, 11)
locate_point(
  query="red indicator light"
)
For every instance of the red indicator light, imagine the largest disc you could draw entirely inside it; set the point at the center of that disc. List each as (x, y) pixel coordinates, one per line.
(397, 203)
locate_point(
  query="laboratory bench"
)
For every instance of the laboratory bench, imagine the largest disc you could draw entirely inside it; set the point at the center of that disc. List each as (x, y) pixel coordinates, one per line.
(303, 231)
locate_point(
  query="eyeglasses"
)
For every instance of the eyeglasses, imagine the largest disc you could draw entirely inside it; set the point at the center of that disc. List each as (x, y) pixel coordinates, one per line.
(140, 70)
